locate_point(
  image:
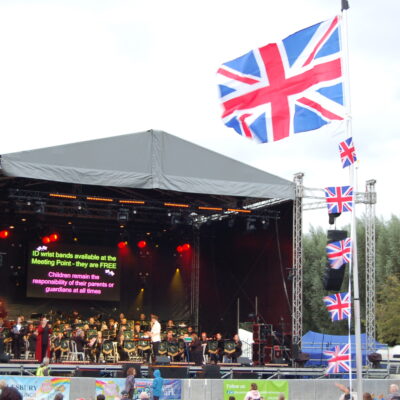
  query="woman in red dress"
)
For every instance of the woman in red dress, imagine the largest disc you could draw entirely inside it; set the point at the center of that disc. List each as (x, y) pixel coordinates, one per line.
(43, 340)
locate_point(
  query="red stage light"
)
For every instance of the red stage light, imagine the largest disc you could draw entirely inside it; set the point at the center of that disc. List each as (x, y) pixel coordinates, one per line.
(4, 234)
(46, 240)
(122, 245)
(141, 244)
(186, 247)
(54, 237)
(179, 249)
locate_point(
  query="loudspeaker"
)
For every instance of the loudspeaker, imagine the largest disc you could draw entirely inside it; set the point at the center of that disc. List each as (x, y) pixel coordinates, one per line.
(211, 372)
(125, 367)
(162, 360)
(4, 358)
(88, 373)
(244, 361)
(171, 372)
(244, 375)
(333, 278)
(335, 235)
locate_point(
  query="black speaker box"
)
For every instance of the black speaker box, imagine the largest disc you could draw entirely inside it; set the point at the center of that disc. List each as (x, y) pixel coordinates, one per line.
(244, 361)
(162, 360)
(4, 358)
(211, 372)
(244, 375)
(125, 367)
(88, 373)
(333, 278)
(171, 372)
(335, 235)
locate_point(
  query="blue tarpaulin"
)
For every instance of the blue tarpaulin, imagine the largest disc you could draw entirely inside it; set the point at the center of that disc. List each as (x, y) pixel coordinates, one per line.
(315, 344)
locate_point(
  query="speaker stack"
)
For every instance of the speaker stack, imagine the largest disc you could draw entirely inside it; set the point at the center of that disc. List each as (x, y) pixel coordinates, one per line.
(263, 344)
(333, 278)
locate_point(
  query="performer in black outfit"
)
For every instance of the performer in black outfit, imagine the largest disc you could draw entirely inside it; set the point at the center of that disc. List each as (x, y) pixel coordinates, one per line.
(238, 348)
(196, 350)
(18, 331)
(218, 357)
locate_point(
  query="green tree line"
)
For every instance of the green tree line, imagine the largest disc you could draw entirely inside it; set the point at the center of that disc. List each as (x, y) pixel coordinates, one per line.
(316, 317)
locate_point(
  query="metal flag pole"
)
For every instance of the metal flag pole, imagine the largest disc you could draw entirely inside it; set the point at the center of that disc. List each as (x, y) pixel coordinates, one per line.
(353, 183)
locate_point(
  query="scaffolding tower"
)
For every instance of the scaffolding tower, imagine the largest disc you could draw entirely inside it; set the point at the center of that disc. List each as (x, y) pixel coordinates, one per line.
(313, 199)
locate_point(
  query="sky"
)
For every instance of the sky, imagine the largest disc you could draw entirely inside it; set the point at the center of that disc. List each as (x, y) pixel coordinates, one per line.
(78, 70)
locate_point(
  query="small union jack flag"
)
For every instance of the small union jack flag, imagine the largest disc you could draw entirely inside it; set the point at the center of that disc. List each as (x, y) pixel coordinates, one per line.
(339, 199)
(339, 359)
(339, 253)
(338, 306)
(347, 152)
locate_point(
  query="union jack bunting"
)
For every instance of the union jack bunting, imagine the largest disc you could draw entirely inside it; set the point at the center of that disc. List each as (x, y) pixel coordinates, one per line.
(347, 152)
(338, 306)
(339, 253)
(339, 199)
(283, 88)
(339, 359)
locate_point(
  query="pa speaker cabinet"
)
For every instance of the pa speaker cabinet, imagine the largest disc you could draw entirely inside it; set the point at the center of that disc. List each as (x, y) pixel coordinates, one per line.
(170, 372)
(212, 372)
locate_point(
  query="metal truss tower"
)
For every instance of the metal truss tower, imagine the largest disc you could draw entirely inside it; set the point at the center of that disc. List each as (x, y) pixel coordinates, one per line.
(370, 201)
(313, 199)
(297, 294)
(195, 278)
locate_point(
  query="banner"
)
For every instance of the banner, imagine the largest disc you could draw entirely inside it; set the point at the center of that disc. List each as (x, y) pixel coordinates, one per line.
(38, 388)
(269, 389)
(112, 388)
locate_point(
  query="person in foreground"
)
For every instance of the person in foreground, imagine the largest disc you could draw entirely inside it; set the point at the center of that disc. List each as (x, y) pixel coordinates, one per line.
(10, 393)
(130, 382)
(394, 393)
(253, 394)
(157, 385)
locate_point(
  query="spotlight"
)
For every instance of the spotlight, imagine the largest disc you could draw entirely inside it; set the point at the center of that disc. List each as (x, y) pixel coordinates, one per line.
(4, 234)
(122, 245)
(186, 247)
(54, 237)
(179, 249)
(141, 244)
(46, 240)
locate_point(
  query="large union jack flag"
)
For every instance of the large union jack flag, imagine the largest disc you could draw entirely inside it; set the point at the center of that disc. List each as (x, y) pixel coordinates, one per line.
(339, 199)
(287, 87)
(339, 253)
(339, 359)
(347, 152)
(338, 306)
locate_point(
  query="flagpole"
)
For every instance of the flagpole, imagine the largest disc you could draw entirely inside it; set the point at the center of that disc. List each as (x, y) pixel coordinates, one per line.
(353, 183)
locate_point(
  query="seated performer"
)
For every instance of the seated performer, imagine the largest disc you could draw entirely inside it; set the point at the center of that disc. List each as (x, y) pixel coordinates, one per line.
(144, 324)
(56, 346)
(238, 349)
(218, 357)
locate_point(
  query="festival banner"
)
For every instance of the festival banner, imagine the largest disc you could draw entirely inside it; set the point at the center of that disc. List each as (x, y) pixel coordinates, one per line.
(38, 388)
(111, 388)
(269, 389)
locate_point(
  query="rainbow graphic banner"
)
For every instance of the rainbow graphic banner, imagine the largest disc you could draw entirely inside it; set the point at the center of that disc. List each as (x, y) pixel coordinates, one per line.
(111, 388)
(38, 388)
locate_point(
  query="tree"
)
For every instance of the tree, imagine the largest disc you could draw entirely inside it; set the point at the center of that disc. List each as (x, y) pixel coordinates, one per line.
(388, 311)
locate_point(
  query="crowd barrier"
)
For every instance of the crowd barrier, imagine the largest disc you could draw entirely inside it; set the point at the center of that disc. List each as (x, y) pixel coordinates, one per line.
(45, 388)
